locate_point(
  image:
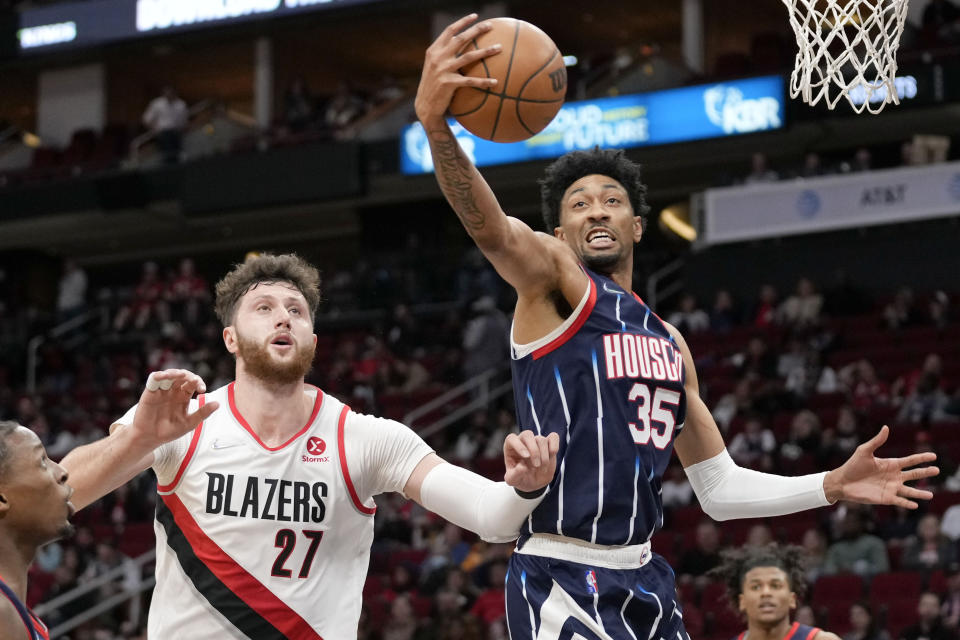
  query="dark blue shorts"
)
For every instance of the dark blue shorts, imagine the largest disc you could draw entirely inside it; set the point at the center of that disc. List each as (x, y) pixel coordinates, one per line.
(551, 599)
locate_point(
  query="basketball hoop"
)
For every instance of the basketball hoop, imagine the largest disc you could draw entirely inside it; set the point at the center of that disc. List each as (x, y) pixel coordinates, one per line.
(847, 48)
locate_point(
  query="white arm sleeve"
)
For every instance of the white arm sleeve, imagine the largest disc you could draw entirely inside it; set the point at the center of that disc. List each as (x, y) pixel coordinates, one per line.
(492, 510)
(726, 491)
(168, 456)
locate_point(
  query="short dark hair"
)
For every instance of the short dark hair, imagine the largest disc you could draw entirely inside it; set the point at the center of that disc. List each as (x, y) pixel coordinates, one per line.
(574, 165)
(266, 267)
(736, 563)
(7, 427)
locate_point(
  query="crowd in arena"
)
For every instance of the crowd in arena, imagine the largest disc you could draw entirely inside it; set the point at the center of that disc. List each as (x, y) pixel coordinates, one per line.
(794, 381)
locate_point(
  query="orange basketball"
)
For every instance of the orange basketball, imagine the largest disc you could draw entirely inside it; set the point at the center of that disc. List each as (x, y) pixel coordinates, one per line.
(532, 83)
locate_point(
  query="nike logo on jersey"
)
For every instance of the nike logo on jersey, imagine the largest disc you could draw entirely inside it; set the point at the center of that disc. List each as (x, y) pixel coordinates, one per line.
(609, 290)
(221, 444)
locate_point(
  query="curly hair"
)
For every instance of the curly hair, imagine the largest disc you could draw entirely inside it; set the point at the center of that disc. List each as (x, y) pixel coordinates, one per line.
(266, 268)
(736, 563)
(7, 427)
(574, 165)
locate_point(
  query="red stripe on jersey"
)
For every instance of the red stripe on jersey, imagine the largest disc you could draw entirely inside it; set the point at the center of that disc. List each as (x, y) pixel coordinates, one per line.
(572, 329)
(813, 633)
(26, 626)
(186, 459)
(40, 627)
(343, 466)
(791, 631)
(236, 578)
(317, 403)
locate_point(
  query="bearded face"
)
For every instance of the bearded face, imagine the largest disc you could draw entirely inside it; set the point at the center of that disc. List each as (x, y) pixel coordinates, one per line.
(276, 363)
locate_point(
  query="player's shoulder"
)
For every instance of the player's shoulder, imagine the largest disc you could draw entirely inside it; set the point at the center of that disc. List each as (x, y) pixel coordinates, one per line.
(11, 624)
(825, 635)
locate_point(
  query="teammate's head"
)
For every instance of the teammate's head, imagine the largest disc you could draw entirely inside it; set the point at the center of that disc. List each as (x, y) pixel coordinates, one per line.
(267, 306)
(764, 583)
(584, 190)
(34, 495)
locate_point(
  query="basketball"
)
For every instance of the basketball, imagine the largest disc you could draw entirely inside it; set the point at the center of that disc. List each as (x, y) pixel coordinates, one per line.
(532, 83)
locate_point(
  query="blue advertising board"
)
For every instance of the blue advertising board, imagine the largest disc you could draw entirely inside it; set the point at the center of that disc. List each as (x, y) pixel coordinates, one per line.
(662, 117)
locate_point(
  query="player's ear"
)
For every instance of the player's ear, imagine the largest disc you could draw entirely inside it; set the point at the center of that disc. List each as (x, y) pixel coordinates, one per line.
(230, 338)
(4, 505)
(740, 605)
(637, 229)
(559, 234)
(793, 600)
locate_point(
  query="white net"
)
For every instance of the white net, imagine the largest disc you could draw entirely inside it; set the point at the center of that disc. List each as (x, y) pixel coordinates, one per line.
(847, 48)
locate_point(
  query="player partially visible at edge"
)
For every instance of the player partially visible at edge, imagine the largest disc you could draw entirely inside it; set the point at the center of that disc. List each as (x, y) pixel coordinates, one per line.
(35, 509)
(764, 585)
(265, 512)
(592, 363)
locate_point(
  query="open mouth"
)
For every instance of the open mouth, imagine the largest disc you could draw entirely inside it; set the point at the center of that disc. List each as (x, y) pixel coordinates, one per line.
(282, 340)
(600, 238)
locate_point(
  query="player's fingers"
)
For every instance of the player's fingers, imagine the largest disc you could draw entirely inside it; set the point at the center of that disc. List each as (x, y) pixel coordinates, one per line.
(202, 413)
(917, 474)
(530, 442)
(874, 443)
(476, 54)
(470, 81)
(911, 492)
(513, 447)
(543, 450)
(160, 380)
(455, 28)
(460, 40)
(553, 444)
(915, 459)
(192, 384)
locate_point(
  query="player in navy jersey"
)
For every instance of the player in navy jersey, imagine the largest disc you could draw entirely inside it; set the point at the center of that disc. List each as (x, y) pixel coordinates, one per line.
(595, 365)
(764, 584)
(35, 509)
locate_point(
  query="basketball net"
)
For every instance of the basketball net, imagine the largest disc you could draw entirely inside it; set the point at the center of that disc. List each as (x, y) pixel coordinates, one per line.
(847, 48)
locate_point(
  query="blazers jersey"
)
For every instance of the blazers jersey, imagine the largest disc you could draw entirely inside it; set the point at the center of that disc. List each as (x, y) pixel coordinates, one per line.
(271, 542)
(609, 381)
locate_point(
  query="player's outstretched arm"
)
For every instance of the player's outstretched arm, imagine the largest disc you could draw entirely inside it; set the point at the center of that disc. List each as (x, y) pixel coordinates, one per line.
(511, 246)
(493, 510)
(727, 491)
(163, 414)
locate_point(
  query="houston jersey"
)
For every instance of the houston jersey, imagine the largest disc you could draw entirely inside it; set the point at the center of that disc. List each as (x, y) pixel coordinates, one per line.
(797, 631)
(271, 542)
(33, 627)
(609, 381)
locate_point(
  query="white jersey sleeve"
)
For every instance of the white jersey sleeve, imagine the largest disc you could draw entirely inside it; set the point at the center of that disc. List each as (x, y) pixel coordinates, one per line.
(381, 454)
(168, 456)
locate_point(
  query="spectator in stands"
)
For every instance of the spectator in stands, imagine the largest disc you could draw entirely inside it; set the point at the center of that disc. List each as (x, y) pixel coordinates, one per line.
(757, 362)
(148, 303)
(737, 402)
(901, 311)
(71, 291)
(929, 625)
(677, 491)
(950, 611)
(166, 116)
(857, 551)
(753, 446)
(760, 172)
(505, 423)
(899, 528)
(449, 621)
(108, 558)
(485, 343)
(403, 334)
(815, 547)
(863, 387)
(299, 106)
(343, 108)
(927, 403)
(759, 535)
(688, 318)
(806, 616)
(723, 315)
(189, 294)
(490, 605)
(939, 309)
(802, 309)
(402, 623)
(804, 438)
(474, 437)
(940, 20)
(765, 311)
(812, 166)
(704, 556)
(929, 549)
(839, 442)
(864, 624)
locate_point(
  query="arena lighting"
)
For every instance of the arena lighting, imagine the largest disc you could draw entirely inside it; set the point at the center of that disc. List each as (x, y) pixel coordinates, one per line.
(676, 220)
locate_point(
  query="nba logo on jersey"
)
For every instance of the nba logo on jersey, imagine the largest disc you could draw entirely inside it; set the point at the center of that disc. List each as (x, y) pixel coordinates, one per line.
(591, 581)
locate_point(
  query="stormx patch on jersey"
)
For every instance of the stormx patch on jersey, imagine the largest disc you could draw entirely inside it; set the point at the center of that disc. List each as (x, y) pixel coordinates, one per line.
(315, 448)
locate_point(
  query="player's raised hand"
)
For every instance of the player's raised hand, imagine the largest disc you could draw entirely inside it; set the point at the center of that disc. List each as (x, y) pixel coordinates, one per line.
(441, 77)
(872, 480)
(531, 460)
(163, 413)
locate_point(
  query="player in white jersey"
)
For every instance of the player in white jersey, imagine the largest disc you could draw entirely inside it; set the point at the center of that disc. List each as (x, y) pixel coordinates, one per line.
(264, 518)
